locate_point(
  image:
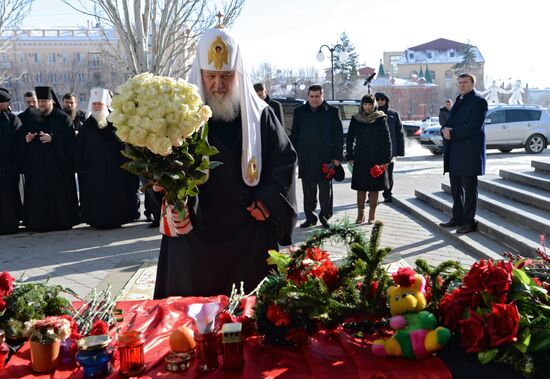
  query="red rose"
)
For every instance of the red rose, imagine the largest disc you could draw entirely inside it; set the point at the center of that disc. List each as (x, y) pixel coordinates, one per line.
(497, 280)
(6, 284)
(453, 305)
(503, 324)
(404, 277)
(277, 315)
(99, 327)
(475, 278)
(473, 333)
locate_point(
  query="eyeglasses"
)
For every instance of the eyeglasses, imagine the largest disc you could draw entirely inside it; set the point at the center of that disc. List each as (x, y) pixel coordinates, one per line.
(380, 99)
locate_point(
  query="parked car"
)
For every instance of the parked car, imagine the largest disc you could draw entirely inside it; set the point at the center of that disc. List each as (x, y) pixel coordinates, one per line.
(507, 127)
(289, 103)
(429, 121)
(432, 140)
(412, 129)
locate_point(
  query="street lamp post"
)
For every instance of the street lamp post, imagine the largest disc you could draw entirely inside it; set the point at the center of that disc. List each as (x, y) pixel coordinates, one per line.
(321, 57)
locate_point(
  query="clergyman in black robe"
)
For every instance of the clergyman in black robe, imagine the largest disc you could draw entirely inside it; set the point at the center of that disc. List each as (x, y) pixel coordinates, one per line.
(237, 217)
(48, 163)
(10, 200)
(108, 193)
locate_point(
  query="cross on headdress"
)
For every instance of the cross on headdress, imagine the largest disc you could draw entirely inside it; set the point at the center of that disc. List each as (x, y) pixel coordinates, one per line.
(219, 16)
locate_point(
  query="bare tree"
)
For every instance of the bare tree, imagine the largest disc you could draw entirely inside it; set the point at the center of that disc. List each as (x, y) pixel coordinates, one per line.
(12, 13)
(157, 36)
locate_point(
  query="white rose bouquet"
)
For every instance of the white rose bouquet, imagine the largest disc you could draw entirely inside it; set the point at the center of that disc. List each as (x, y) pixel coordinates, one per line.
(162, 120)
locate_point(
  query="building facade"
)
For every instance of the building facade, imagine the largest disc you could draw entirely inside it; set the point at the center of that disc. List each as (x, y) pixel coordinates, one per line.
(69, 60)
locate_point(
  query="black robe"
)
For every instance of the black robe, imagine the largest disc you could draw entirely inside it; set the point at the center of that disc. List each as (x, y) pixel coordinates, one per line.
(227, 245)
(50, 189)
(108, 193)
(368, 145)
(10, 201)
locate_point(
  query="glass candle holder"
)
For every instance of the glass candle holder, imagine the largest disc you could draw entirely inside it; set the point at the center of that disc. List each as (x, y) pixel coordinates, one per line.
(130, 348)
(95, 356)
(232, 346)
(207, 347)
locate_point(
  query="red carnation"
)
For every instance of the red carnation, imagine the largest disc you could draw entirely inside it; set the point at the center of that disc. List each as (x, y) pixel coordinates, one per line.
(75, 334)
(316, 254)
(6, 284)
(404, 277)
(503, 324)
(277, 315)
(473, 333)
(99, 327)
(377, 170)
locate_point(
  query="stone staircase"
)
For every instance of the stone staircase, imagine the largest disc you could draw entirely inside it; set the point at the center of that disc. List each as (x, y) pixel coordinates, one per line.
(513, 212)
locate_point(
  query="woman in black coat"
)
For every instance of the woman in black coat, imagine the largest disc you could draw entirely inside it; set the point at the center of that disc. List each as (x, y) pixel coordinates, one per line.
(368, 144)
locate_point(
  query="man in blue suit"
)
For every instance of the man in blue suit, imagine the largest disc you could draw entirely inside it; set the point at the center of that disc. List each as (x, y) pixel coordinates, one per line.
(464, 152)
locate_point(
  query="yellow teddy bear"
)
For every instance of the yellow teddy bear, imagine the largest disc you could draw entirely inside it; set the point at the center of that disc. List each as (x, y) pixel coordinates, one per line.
(417, 334)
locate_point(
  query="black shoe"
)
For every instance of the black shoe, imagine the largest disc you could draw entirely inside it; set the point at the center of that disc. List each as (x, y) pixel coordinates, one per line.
(449, 224)
(308, 223)
(466, 229)
(324, 222)
(154, 224)
(388, 199)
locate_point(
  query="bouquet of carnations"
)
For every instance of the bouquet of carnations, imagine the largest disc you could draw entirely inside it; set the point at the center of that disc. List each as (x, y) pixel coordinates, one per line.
(48, 329)
(328, 170)
(377, 170)
(163, 123)
(503, 314)
(308, 292)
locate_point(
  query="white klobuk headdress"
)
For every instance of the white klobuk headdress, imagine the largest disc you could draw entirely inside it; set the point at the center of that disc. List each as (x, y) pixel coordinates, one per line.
(98, 95)
(218, 51)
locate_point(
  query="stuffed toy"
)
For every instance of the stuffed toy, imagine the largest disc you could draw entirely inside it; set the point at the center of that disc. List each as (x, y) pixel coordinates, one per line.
(416, 332)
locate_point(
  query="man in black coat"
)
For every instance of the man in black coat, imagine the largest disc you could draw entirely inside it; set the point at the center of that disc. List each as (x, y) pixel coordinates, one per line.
(397, 136)
(70, 106)
(464, 152)
(273, 104)
(51, 201)
(444, 112)
(318, 138)
(10, 201)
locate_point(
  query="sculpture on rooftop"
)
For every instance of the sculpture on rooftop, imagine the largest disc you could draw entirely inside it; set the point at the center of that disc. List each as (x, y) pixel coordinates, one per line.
(491, 93)
(516, 92)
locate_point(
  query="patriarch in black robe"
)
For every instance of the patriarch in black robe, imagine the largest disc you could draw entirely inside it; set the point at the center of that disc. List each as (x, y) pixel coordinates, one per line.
(50, 189)
(248, 204)
(10, 200)
(108, 193)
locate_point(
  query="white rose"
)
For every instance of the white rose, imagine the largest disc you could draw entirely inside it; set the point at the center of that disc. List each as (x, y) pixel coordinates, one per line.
(138, 137)
(129, 108)
(134, 122)
(161, 146)
(123, 132)
(205, 112)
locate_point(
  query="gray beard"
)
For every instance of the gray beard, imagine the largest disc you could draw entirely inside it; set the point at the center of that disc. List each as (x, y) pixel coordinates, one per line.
(101, 117)
(225, 109)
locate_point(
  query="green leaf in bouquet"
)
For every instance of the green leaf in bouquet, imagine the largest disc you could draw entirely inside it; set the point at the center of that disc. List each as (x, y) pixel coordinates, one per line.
(540, 340)
(487, 356)
(193, 191)
(521, 276)
(524, 339)
(278, 259)
(199, 176)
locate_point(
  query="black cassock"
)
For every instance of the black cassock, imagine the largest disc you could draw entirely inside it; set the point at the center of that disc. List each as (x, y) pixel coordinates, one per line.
(227, 245)
(108, 193)
(50, 189)
(10, 201)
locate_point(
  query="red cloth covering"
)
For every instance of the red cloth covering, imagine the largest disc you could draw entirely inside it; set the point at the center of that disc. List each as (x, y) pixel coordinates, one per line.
(328, 355)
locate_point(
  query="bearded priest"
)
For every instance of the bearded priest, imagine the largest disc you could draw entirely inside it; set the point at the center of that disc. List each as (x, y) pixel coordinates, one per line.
(248, 204)
(108, 193)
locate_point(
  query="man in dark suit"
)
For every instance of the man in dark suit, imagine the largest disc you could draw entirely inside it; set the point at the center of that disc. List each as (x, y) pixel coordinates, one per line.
(318, 138)
(273, 104)
(464, 152)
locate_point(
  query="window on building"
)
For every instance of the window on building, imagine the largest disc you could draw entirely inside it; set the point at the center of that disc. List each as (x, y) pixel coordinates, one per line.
(394, 64)
(97, 79)
(37, 58)
(432, 73)
(51, 58)
(94, 59)
(65, 58)
(52, 77)
(449, 74)
(452, 53)
(411, 55)
(66, 77)
(21, 58)
(429, 55)
(81, 77)
(5, 58)
(38, 77)
(81, 97)
(24, 78)
(78, 57)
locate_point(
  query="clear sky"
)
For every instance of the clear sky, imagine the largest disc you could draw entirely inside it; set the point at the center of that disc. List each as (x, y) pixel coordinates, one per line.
(512, 36)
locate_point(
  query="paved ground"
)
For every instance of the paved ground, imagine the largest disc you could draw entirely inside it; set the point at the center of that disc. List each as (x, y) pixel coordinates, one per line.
(84, 258)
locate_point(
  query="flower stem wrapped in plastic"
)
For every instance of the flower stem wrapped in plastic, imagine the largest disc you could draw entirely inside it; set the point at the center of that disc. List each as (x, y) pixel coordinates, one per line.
(162, 120)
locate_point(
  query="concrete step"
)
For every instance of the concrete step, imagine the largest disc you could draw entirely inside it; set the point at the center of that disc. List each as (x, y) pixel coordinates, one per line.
(516, 191)
(516, 238)
(477, 244)
(536, 219)
(541, 166)
(533, 179)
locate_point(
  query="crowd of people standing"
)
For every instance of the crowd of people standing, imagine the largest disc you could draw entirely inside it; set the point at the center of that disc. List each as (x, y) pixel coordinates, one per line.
(43, 147)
